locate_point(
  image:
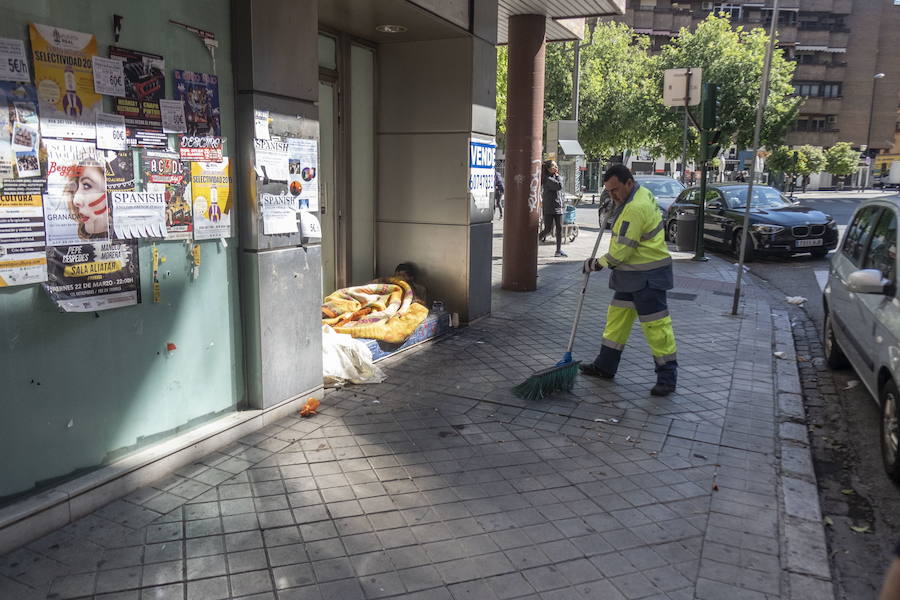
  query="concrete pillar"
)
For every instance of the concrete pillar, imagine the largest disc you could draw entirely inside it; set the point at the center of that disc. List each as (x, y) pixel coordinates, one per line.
(524, 134)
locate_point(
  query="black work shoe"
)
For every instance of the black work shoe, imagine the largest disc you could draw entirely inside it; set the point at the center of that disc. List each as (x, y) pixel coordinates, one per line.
(594, 371)
(662, 389)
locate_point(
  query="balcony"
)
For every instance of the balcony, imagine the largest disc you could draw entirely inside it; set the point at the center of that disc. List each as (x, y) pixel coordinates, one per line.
(813, 138)
(821, 106)
(814, 37)
(819, 5)
(807, 72)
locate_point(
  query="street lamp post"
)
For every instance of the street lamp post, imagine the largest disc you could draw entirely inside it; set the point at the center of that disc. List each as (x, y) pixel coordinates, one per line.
(875, 78)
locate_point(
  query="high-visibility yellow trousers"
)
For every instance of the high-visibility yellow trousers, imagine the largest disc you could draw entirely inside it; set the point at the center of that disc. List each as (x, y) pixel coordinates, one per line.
(650, 307)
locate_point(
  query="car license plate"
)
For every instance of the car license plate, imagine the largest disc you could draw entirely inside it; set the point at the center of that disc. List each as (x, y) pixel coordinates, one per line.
(807, 243)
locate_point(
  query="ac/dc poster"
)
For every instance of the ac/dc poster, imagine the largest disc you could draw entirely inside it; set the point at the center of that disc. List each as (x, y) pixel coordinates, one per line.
(200, 93)
(145, 84)
(93, 276)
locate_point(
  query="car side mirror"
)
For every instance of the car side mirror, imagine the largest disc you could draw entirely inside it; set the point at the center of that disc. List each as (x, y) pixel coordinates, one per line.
(714, 205)
(869, 281)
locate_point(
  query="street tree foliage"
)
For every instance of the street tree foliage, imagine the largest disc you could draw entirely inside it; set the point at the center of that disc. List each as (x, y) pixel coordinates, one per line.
(802, 161)
(732, 58)
(621, 87)
(841, 159)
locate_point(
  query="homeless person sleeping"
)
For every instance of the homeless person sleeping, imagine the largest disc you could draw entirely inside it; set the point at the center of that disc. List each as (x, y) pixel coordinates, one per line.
(388, 309)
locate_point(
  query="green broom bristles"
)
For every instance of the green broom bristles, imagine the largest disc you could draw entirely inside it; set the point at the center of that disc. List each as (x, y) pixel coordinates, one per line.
(543, 383)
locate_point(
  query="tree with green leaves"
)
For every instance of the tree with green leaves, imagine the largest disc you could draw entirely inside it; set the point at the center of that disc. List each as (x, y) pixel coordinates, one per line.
(841, 159)
(799, 162)
(732, 58)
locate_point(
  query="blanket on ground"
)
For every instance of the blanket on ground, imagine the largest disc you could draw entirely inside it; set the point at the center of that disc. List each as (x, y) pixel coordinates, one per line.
(380, 311)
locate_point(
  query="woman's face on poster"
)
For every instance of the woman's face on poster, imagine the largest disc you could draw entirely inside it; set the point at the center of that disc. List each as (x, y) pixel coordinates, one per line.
(89, 200)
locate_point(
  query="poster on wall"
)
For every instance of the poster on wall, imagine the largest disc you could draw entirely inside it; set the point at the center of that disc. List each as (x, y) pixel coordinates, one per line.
(23, 257)
(200, 93)
(145, 86)
(211, 189)
(119, 171)
(75, 205)
(303, 172)
(481, 173)
(19, 131)
(138, 214)
(13, 64)
(279, 213)
(271, 160)
(165, 173)
(93, 276)
(64, 77)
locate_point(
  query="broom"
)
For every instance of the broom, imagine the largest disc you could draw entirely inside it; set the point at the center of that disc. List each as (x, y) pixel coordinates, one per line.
(562, 375)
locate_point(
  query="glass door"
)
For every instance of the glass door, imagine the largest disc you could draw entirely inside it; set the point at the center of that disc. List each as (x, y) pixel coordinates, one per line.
(329, 209)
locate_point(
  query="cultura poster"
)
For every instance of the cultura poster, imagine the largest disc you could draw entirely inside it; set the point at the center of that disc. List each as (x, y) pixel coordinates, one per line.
(64, 77)
(23, 259)
(93, 276)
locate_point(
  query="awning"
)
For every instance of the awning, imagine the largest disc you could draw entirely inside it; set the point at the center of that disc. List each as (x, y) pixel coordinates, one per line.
(571, 148)
(820, 49)
(565, 18)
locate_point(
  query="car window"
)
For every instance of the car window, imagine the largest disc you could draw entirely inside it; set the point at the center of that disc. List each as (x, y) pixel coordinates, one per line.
(882, 253)
(763, 197)
(667, 189)
(859, 232)
(713, 196)
(688, 197)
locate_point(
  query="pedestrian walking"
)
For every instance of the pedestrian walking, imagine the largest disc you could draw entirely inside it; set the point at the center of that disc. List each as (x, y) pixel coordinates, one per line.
(498, 193)
(641, 274)
(552, 200)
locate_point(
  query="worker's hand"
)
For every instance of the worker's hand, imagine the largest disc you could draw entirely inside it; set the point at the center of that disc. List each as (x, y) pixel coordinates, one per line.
(591, 264)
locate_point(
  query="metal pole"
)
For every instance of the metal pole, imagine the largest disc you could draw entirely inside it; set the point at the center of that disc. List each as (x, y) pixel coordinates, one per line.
(576, 75)
(701, 206)
(684, 146)
(761, 107)
(525, 121)
(869, 137)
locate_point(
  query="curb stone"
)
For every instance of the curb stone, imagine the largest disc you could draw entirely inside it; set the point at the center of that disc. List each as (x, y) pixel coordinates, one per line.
(804, 549)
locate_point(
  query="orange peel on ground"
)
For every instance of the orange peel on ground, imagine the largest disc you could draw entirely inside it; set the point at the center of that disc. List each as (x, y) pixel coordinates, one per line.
(309, 409)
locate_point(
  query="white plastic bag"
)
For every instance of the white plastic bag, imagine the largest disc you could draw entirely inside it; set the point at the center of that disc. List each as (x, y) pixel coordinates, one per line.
(347, 360)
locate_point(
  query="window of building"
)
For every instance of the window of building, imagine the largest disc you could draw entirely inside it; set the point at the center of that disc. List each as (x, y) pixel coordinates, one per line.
(818, 89)
(729, 9)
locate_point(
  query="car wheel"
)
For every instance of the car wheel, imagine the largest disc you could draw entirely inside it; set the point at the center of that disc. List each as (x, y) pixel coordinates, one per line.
(672, 231)
(819, 252)
(749, 252)
(889, 430)
(834, 356)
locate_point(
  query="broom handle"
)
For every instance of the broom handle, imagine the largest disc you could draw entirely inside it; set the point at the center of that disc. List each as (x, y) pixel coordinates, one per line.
(587, 275)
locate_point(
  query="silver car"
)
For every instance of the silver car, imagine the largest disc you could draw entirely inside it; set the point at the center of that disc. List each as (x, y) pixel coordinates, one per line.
(862, 313)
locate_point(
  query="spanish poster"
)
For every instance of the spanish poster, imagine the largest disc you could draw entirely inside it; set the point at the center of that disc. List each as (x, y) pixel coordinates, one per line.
(200, 93)
(75, 206)
(164, 172)
(271, 160)
(23, 257)
(93, 276)
(145, 86)
(279, 213)
(139, 214)
(211, 188)
(303, 172)
(64, 77)
(19, 131)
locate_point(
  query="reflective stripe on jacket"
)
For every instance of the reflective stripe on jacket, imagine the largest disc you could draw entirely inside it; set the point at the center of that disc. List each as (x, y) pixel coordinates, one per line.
(638, 240)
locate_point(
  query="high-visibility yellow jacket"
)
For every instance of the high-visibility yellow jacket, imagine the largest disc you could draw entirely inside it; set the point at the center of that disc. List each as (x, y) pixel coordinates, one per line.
(638, 253)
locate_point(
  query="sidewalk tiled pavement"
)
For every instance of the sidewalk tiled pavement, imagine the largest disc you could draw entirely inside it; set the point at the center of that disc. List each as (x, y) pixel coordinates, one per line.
(440, 484)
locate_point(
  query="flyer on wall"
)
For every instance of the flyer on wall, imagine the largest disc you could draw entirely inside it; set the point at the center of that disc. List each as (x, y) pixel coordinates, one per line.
(271, 160)
(138, 214)
(64, 77)
(164, 172)
(200, 93)
(279, 213)
(119, 171)
(19, 131)
(75, 205)
(211, 189)
(303, 170)
(23, 257)
(93, 276)
(145, 86)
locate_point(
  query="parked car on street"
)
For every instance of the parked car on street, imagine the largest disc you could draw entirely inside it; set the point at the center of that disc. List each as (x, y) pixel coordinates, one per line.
(862, 313)
(777, 225)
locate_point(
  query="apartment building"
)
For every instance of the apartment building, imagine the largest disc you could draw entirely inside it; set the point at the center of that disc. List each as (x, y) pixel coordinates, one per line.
(846, 53)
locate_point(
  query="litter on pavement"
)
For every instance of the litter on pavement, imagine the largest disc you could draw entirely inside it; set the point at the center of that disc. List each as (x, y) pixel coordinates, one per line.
(798, 300)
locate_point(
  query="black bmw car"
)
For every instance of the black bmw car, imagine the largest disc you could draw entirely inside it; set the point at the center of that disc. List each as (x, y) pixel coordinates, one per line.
(777, 225)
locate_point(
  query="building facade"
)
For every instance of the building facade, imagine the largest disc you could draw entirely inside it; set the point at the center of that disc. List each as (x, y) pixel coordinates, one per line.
(839, 47)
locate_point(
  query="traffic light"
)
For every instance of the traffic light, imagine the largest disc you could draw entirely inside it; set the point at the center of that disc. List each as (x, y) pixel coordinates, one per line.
(711, 148)
(709, 107)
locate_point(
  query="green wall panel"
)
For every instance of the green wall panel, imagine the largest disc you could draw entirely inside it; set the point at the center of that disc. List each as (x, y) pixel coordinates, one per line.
(80, 390)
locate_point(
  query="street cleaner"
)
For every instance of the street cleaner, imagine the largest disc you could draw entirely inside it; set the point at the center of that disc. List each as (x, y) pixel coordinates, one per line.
(641, 273)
